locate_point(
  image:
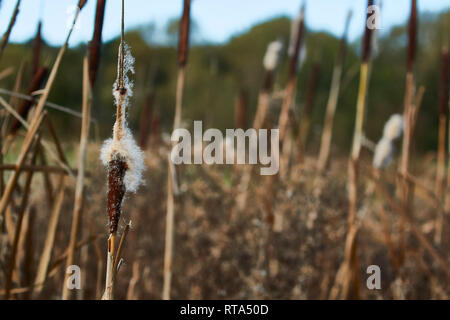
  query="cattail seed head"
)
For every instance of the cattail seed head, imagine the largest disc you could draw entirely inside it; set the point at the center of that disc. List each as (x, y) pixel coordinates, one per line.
(383, 154)
(393, 129)
(367, 40)
(443, 88)
(120, 154)
(81, 4)
(183, 44)
(116, 192)
(412, 35)
(273, 55)
(296, 42)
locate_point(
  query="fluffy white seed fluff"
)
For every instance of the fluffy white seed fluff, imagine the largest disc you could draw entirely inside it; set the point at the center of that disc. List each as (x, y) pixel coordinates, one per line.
(128, 67)
(393, 128)
(127, 148)
(122, 143)
(273, 55)
(383, 153)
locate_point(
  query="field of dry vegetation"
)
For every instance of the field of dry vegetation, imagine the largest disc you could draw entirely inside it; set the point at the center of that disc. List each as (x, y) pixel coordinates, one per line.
(140, 227)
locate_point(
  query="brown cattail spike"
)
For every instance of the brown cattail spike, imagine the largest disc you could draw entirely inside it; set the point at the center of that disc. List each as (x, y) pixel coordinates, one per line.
(367, 40)
(412, 36)
(443, 89)
(81, 4)
(95, 45)
(26, 105)
(37, 43)
(116, 190)
(298, 43)
(183, 44)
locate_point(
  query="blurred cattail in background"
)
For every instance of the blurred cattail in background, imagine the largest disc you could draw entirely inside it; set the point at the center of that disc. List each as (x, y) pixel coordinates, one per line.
(348, 284)
(96, 42)
(172, 180)
(37, 46)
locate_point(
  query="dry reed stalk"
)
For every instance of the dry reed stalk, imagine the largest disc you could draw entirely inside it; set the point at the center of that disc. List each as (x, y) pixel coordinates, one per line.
(6, 72)
(405, 187)
(79, 190)
(13, 101)
(327, 132)
(5, 38)
(37, 168)
(18, 226)
(131, 292)
(96, 42)
(10, 186)
(44, 262)
(54, 71)
(443, 112)
(350, 283)
(172, 187)
(47, 104)
(26, 105)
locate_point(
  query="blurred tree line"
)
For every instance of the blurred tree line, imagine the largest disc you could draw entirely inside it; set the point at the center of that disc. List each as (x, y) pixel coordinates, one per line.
(218, 72)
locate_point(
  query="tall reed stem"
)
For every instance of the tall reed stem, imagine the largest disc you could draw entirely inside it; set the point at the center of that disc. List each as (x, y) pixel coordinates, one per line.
(172, 188)
(79, 189)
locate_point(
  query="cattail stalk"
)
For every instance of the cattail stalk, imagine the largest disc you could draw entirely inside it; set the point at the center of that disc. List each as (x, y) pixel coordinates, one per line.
(284, 114)
(443, 112)
(5, 38)
(44, 262)
(260, 115)
(333, 98)
(183, 50)
(122, 157)
(78, 207)
(350, 284)
(405, 187)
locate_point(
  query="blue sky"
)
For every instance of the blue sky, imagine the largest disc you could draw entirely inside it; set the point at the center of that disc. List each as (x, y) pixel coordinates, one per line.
(218, 20)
